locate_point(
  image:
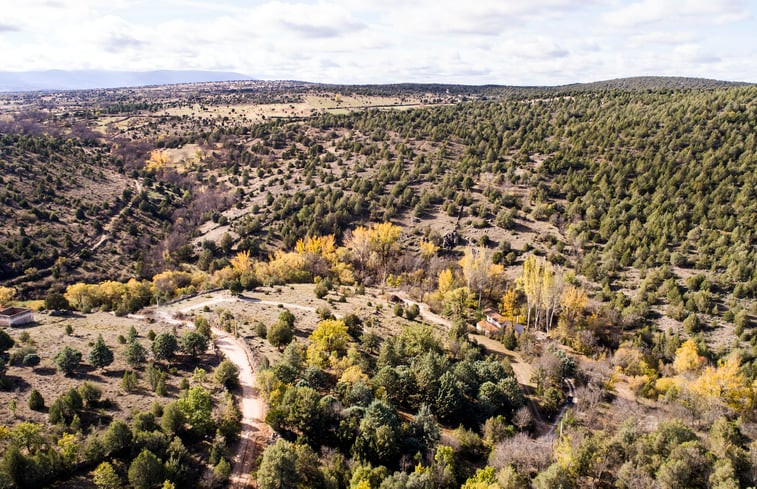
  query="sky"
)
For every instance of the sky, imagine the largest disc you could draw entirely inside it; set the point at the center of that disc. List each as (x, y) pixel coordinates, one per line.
(508, 42)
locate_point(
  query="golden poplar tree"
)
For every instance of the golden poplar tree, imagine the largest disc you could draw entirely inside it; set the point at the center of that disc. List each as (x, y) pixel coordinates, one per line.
(158, 159)
(573, 302)
(510, 306)
(481, 276)
(428, 249)
(446, 281)
(359, 244)
(384, 241)
(687, 358)
(531, 283)
(727, 382)
(241, 263)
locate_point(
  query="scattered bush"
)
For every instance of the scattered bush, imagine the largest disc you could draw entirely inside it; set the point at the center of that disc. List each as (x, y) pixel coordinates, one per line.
(321, 290)
(260, 329)
(227, 374)
(36, 401)
(67, 360)
(30, 360)
(412, 312)
(280, 334)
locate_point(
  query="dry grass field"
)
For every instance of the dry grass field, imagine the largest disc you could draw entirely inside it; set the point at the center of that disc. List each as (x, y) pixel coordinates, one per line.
(265, 304)
(48, 336)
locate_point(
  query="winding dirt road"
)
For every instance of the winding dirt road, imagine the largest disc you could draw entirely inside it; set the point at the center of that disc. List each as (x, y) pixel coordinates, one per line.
(252, 407)
(255, 432)
(425, 311)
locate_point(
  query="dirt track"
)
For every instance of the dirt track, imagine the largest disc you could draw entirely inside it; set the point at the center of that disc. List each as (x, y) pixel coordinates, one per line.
(425, 311)
(254, 428)
(255, 432)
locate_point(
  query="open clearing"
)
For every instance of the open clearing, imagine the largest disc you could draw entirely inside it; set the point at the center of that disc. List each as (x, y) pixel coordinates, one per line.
(266, 303)
(47, 336)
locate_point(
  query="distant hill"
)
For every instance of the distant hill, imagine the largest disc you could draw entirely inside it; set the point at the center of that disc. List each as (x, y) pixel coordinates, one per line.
(651, 83)
(630, 83)
(23, 81)
(54, 80)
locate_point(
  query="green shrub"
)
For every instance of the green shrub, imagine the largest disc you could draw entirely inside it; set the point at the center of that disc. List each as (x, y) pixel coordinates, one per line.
(227, 374)
(55, 301)
(321, 290)
(412, 312)
(129, 381)
(280, 334)
(36, 401)
(324, 312)
(67, 360)
(90, 393)
(260, 329)
(691, 324)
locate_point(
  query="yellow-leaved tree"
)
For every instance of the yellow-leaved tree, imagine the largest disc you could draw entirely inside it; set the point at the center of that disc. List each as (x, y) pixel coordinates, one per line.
(81, 296)
(573, 302)
(552, 287)
(359, 244)
(446, 281)
(384, 240)
(328, 342)
(474, 264)
(282, 268)
(242, 263)
(543, 287)
(509, 306)
(374, 246)
(158, 159)
(6, 295)
(139, 292)
(531, 284)
(169, 282)
(481, 276)
(353, 375)
(324, 246)
(727, 382)
(111, 293)
(687, 358)
(428, 249)
(322, 257)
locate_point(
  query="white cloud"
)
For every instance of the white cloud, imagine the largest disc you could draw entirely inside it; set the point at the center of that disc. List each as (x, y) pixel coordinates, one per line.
(362, 41)
(664, 38)
(677, 11)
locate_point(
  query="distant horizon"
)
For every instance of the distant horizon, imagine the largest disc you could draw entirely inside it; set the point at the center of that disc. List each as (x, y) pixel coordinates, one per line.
(252, 77)
(48, 85)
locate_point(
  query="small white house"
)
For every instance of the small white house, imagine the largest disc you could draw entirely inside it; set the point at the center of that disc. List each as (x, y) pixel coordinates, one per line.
(15, 316)
(493, 322)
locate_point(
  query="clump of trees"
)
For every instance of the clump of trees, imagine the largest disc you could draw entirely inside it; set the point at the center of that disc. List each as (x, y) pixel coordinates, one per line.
(160, 446)
(333, 394)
